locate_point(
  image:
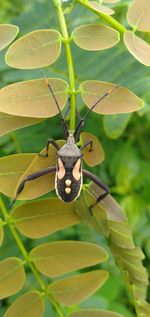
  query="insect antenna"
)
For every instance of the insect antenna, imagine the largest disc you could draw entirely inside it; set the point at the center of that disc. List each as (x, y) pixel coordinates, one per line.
(81, 123)
(63, 122)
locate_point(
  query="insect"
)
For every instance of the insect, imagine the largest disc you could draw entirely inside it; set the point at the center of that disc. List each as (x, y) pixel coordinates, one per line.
(68, 170)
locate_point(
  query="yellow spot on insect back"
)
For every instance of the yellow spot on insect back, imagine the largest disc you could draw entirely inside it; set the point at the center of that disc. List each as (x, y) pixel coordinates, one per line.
(67, 190)
(68, 182)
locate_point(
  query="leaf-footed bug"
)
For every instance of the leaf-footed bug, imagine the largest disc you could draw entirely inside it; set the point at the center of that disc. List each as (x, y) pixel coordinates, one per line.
(68, 170)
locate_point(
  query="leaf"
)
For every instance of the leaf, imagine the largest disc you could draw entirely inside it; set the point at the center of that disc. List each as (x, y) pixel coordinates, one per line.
(12, 276)
(95, 37)
(8, 32)
(121, 100)
(121, 235)
(137, 47)
(40, 218)
(73, 290)
(96, 156)
(1, 232)
(29, 304)
(32, 98)
(36, 49)
(114, 125)
(139, 15)
(44, 184)
(57, 258)
(10, 123)
(95, 5)
(110, 1)
(95, 313)
(11, 169)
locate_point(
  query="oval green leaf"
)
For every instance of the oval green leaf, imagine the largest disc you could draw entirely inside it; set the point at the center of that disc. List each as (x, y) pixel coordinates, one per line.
(40, 218)
(11, 169)
(10, 123)
(73, 290)
(12, 276)
(114, 125)
(110, 1)
(44, 184)
(28, 305)
(57, 258)
(137, 47)
(7, 34)
(32, 98)
(139, 15)
(94, 37)
(121, 100)
(121, 235)
(96, 156)
(1, 232)
(36, 49)
(95, 313)
(95, 5)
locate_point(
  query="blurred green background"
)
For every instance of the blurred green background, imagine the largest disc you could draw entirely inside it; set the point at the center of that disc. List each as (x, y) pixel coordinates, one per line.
(125, 138)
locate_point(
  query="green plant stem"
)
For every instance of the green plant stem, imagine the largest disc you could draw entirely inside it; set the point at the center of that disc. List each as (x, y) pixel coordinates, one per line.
(66, 40)
(118, 26)
(26, 257)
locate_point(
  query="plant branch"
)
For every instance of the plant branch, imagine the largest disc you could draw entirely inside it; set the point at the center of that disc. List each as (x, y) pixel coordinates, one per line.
(118, 26)
(27, 258)
(66, 40)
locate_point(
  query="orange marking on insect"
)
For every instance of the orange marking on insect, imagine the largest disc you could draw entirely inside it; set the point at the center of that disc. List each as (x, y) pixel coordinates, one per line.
(61, 169)
(76, 170)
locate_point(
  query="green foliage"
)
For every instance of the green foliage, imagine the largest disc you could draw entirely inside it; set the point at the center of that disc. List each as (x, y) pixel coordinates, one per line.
(25, 101)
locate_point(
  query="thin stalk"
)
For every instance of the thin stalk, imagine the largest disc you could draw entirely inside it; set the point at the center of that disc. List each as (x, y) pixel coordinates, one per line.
(27, 258)
(66, 40)
(118, 26)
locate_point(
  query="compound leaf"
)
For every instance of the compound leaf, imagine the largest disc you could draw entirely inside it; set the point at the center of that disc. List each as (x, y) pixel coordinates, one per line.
(12, 276)
(28, 305)
(10, 123)
(11, 169)
(40, 218)
(57, 258)
(36, 49)
(73, 290)
(7, 34)
(93, 37)
(1, 232)
(114, 125)
(95, 313)
(121, 100)
(32, 98)
(139, 15)
(137, 47)
(96, 156)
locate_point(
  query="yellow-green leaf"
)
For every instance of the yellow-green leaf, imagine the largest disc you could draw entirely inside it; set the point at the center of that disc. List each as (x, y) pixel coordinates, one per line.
(1, 232)
(137, 47)
(32, 98)
(75, 289)
(57, 258)
(95, 5)
(95, 313)
(36, 49)
(95, 37)
(10, 123)
(11, 169)
(44, 184)
(12, 276)
(121, 235)
(7, 34)
(110, 1)
(139, 15)
(28, 305)
(40, 218)
(121, 100)
(96, 156)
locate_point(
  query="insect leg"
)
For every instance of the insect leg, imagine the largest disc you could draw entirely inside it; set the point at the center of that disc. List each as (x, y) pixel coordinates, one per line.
(86, 144)
(50, 141)
(30, 178)
(98, 182)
